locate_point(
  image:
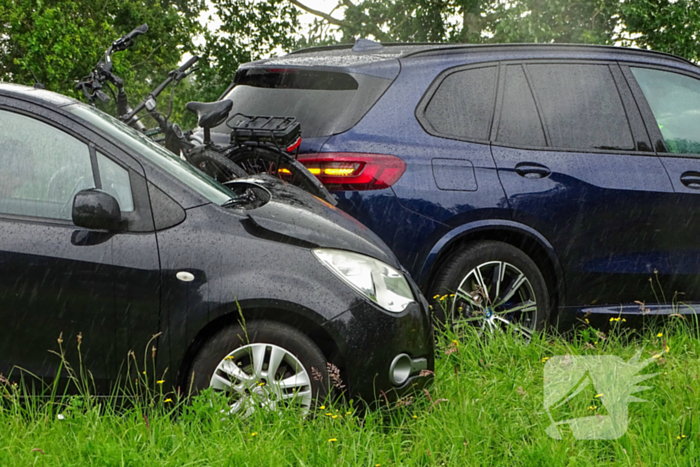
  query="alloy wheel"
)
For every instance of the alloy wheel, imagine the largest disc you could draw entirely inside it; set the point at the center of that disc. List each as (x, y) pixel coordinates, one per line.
(262, 376)
(496, 295)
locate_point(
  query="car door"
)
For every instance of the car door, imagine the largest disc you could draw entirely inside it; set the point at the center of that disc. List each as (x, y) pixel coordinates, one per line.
(63, 289)
(577, 165)
(670, 102)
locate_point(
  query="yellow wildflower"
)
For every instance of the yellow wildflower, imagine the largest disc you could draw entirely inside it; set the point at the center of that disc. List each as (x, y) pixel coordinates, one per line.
(322, 407)
(328, 414)
(168, 400)
(160, 381)
(332, 440)
(254, 433)
(415, 416)
(545, 359)
(661, 334)
(599, 395)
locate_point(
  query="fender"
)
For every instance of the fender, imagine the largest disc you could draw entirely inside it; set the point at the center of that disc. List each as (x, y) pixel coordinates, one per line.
(427, 258)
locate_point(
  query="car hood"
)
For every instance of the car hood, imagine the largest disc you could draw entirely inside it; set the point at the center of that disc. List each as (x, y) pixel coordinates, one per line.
(294, 216)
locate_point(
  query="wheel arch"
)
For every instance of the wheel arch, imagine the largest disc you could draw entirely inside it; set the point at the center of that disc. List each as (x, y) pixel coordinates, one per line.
(531, 242)
(256, 311)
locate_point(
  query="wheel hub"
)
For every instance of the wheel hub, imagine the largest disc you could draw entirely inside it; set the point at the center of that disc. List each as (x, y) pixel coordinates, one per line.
(262, 376)
(497, 295)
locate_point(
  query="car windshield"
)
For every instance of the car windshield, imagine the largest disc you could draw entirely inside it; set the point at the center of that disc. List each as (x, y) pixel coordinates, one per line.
(158, 155)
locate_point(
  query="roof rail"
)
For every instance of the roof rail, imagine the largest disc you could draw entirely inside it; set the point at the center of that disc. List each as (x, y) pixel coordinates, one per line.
(433, 47)
(465, 47)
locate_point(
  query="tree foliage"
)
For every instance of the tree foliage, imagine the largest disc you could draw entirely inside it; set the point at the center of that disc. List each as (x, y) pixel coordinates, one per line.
(59, 41)
(665, 25)
(248, 30)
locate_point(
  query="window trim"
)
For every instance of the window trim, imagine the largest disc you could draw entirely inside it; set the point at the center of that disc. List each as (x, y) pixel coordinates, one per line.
(648, 117)
(435, 85)
(499, 104)
(61, 123)
(629, 104)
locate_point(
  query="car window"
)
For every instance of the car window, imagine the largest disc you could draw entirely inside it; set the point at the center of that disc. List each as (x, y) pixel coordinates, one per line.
(675, 102)
(41, 168)
(314, 97)
(581, 106)
(115, 181)
(462, 106)
(519, 123)
(161, 157)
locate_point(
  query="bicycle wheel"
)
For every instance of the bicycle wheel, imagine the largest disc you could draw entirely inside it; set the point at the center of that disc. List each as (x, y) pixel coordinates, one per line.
(261, 160)
(217, 166)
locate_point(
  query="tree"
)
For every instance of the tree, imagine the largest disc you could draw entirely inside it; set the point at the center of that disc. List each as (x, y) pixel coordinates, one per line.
(59, 41)
(672, 27)
(474, 21)
(248, 30)
(665, 25)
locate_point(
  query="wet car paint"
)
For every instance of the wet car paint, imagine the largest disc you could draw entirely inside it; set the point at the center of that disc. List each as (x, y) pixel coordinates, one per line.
(606, 222)
(120, 291)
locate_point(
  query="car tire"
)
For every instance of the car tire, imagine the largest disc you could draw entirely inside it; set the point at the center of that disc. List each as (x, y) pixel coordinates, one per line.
(300, 377)
(459, 272)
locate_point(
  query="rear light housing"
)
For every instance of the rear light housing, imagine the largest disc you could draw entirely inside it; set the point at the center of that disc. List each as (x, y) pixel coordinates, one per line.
(351, 171)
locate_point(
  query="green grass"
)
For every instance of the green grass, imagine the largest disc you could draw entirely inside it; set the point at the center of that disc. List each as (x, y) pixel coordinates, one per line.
(490, 412)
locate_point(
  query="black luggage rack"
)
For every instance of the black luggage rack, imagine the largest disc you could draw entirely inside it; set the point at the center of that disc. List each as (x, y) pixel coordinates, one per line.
(282, 132)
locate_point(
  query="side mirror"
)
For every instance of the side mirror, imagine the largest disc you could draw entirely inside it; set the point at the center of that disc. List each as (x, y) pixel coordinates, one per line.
(96, 210)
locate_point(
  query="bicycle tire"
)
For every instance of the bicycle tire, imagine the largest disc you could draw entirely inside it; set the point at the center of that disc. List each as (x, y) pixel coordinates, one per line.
(217, 166)
(263, 160)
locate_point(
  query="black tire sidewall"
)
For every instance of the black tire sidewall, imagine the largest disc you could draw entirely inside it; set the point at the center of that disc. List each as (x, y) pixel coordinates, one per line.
(236, 170)
(233, 337)
(454, 269)
(309, 182)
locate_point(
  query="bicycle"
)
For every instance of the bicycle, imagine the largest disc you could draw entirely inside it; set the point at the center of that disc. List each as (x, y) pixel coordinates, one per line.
(253, 149)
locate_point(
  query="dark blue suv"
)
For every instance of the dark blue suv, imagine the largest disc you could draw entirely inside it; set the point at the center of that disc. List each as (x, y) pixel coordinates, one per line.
(530, 181)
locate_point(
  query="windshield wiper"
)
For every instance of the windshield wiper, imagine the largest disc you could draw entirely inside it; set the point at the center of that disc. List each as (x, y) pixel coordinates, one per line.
(247, 197)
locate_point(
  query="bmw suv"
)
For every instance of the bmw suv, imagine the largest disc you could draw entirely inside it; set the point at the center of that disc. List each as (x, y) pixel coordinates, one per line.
(527, 183)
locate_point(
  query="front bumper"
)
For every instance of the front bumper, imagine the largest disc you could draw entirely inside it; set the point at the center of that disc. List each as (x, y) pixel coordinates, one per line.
(370, 339)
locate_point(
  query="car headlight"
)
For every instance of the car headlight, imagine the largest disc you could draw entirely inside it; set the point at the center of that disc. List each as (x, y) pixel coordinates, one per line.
(377, 281)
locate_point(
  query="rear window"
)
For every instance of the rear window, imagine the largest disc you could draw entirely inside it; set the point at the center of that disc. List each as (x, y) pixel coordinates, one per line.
(324, 102)
(462, 105)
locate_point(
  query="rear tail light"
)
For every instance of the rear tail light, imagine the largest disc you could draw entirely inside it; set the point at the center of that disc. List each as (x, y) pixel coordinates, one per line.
(354, 171)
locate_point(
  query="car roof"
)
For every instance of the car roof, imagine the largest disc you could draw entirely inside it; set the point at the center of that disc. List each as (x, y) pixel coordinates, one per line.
(370, 53)
(41, 96)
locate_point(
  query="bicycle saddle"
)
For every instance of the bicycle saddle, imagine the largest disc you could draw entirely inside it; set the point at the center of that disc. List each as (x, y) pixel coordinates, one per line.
(210, 114)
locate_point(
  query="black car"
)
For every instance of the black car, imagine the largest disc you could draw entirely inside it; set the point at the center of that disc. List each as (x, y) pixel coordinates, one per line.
(107, 239)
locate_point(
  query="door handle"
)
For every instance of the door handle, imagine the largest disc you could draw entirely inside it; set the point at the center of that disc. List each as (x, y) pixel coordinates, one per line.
(691, 180)
(532, 170)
